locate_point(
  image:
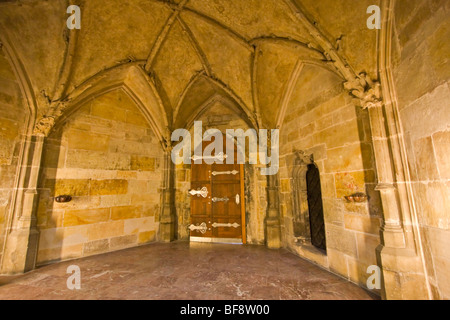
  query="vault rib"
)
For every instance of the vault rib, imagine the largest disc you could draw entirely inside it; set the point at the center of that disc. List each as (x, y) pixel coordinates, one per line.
(329, 50)
(227, 101)
(68, 64)
(94, 79)
(196, 46)
(218, 83)
(191, 82)
(281, 40)
(286, 97)
(213, 21)
(62, 108)
(163, 35)
(254, 75)
(157, 95)
(198, 111)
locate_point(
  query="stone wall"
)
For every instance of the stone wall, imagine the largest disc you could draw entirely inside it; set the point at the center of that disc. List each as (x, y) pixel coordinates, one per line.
(421, 72)
(13, 117)
(323, 122)
(108, 159)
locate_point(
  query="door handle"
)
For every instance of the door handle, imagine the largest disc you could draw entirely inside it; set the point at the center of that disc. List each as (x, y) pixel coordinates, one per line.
(200, 192)
(226, 225)
(217, 173)
(219, 157)
(237, 199)
(202, 228)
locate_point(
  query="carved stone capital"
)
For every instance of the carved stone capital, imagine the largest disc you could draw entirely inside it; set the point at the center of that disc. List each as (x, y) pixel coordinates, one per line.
(366, 90)
(44, 125)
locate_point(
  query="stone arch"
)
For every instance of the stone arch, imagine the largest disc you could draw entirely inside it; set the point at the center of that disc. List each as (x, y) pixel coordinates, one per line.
(226, 101)
(129, 77)
(302, 67)
(102, 91)
(190, 109)
(22, 79)
(106, 156)
(230, 105)
(18, 178)
(253, 191)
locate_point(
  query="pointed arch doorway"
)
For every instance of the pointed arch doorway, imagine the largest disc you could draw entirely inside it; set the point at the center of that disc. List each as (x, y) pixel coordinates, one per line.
(217, 201)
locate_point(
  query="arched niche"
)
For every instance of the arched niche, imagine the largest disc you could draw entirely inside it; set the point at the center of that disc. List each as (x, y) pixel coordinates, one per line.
(219, 112)
(300, 214)
(108, 158)
(308, 218)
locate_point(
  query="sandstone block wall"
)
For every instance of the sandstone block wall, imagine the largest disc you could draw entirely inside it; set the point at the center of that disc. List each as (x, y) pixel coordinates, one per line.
(108, 159)
(326, 123)
(421, 71)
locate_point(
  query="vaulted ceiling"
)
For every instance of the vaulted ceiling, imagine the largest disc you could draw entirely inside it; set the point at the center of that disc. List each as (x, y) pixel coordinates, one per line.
(191, 50)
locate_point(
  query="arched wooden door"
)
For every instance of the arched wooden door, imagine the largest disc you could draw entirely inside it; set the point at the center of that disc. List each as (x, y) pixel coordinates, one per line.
(217, 202)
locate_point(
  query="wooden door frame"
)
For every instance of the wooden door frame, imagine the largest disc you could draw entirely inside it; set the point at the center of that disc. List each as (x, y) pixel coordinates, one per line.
(243, 217)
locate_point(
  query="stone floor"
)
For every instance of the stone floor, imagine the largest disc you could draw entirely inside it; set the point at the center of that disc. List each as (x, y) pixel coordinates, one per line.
(179, 271)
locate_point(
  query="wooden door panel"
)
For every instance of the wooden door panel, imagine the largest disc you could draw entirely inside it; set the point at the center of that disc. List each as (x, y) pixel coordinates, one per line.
(220, 219)
(228, 211)
(232, 231)
(201, 209)
(230, 207)
(200, 172)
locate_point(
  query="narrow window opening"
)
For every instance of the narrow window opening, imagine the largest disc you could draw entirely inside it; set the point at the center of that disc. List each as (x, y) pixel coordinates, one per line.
(315, 207)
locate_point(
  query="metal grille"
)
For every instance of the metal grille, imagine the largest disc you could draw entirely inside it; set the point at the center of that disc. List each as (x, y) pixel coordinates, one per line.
(315, 207)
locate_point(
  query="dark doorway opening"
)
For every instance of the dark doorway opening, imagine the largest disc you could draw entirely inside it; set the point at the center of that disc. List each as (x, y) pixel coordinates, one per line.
(316, 220)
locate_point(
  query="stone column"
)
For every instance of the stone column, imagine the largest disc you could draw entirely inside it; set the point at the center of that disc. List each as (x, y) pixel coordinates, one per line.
(392, 234)
(22, 234)
(168, 216)
(400, 254)
(273, 231)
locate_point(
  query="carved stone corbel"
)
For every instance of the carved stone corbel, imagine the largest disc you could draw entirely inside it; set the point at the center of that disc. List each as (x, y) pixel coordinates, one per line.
(302, 157)
(366, 90)
(46, 123)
